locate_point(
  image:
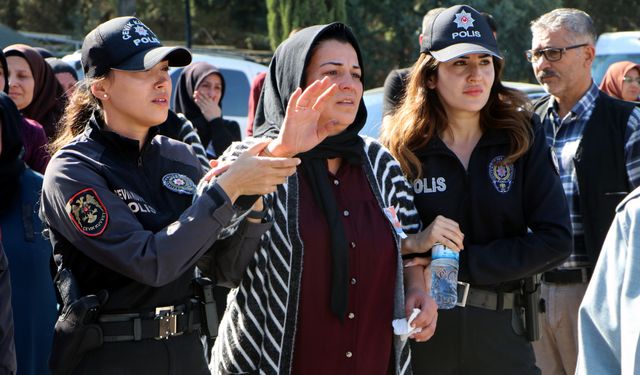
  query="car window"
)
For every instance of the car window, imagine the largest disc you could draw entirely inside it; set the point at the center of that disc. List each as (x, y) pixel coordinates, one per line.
(236, 94)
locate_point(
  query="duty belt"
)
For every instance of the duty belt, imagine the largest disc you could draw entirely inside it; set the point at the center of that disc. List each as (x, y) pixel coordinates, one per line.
(568, 276)
(486, 299)
(166, 322)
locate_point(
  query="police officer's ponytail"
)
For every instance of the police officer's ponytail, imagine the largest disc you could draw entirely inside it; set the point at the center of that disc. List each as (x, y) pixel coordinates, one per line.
(81, 106)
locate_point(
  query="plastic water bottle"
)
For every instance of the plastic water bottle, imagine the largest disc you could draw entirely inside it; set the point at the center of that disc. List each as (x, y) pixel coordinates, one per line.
(444, 276)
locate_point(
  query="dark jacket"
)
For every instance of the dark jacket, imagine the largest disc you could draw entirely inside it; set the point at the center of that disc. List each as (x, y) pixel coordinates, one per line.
(123, 219)
(602, 181)
(29, 255)
(217, 134)
(7, 348)
(495, 205)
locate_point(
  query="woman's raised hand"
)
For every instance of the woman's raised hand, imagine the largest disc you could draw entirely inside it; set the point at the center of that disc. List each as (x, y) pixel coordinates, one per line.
(300, 130)
(251, 174)
(210, 109)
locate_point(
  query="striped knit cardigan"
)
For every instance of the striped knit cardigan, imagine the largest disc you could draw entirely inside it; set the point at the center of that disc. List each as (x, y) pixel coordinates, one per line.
(257, 332)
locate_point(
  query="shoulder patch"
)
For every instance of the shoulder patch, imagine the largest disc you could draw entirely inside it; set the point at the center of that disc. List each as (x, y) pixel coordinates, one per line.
(501, 174)
(179, 183)
(88, 214)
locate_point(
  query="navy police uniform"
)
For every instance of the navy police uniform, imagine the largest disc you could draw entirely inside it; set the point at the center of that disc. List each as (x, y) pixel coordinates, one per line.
(122, 220)
(515, 221)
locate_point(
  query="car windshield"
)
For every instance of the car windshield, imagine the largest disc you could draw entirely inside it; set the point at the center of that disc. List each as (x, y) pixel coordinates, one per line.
(601, 63)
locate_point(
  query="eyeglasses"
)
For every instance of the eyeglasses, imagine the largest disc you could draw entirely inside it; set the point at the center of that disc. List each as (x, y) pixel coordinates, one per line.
(550, 53)
(626, 79)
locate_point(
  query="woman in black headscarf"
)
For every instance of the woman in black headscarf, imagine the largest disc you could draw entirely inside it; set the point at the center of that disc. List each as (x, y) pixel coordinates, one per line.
(32, 134)
(199, 97)
(321, 293)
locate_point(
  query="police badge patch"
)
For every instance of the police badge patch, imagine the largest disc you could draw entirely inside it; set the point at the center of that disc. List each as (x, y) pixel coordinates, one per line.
(179, 183)
(87, 212)
(501, 174)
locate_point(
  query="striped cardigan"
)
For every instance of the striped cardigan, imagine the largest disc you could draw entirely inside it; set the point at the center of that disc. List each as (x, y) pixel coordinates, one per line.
(257, 332)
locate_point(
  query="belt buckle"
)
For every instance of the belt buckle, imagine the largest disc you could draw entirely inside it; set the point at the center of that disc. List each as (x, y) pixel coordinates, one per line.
(168, 322)
(465, 293)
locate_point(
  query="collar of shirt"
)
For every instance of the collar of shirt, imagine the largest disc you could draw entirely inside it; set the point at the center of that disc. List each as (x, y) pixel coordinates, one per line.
(582, 107)
(129, 148)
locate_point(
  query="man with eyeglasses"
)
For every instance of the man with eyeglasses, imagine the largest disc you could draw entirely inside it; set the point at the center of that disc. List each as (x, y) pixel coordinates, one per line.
(597, 143)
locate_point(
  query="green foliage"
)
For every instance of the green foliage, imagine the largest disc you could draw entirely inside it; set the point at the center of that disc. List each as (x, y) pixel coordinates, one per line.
(388, 34)
(283, 16)
(387, 29)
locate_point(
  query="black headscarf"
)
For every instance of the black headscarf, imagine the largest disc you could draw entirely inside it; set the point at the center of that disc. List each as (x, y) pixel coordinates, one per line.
(286, 74)
(190, 78)
(61, 66)
(11, 163)
(5, 70)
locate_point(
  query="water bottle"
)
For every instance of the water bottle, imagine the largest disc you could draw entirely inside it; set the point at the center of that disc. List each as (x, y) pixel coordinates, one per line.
(444, 276)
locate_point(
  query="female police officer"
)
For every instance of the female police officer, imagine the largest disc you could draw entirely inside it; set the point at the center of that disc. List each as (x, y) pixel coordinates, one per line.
(117, 200)
(485, 183)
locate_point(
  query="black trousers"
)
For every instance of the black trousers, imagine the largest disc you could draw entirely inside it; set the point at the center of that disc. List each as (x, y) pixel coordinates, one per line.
(471, 340)
(179, 355)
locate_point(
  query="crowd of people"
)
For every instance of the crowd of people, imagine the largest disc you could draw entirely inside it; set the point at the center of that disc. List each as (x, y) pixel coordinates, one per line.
(136, 238)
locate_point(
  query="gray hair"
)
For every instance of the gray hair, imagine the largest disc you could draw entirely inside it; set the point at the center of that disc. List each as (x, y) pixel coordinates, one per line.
(574, 21)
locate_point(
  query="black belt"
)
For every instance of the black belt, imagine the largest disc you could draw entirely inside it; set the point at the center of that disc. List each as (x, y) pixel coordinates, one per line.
(167, 321)
(485, 299)
(578, 275)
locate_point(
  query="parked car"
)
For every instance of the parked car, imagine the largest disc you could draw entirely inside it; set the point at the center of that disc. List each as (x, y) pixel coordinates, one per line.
(373, 101)
(237, 72)
(614, 47)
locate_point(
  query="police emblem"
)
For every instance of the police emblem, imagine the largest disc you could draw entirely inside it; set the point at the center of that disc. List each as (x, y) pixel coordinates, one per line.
(179, 183)
(501, 174)
(88, 214)
(464, 20)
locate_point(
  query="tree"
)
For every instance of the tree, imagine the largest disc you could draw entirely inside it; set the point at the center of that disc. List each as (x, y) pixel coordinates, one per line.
(283, 16)
(388, 39)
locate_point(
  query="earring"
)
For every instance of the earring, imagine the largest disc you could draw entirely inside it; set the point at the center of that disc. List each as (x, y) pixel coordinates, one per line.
(105, 96)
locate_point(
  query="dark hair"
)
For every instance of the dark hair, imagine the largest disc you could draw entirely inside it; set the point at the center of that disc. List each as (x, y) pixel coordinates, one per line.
(422, 116)
(492, 22)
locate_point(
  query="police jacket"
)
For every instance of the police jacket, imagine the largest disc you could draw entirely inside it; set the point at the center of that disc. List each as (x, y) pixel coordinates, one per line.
(495, 204)
(122, 218)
